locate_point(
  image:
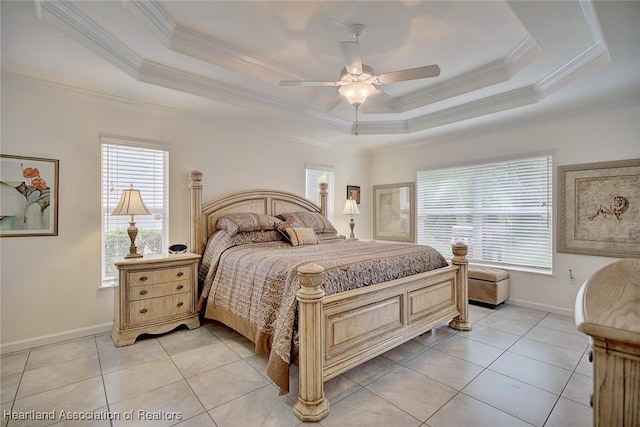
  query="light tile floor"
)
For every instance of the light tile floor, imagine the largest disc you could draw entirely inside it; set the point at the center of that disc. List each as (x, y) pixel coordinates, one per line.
(517, 367)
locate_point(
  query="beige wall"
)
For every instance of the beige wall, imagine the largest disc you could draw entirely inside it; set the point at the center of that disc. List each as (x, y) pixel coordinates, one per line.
(613, 133)
(50, 286)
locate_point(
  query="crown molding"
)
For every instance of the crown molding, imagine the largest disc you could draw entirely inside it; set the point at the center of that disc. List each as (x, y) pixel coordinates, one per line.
(87, 32)
(481, 107)
(152, 16)
(594, 54)
(481, 77)
(201, 46)
(209, 49)
(64, 16)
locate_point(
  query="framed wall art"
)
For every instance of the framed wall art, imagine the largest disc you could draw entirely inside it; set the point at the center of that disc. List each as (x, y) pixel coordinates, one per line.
(394, 208)
(28, 196)
(600, 209)
(353, 192)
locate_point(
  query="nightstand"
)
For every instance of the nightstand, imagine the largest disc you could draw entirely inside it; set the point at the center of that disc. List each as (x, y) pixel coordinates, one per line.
(156, 294)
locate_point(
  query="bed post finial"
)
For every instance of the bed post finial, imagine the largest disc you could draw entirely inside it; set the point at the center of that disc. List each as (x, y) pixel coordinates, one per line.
(461, 323)
(323, 198)
(196, 236)
(311, 404)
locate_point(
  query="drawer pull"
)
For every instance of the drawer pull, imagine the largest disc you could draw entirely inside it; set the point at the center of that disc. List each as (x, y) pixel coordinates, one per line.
(591, 356)
(143, 279)
(180, 287)
(180, 273)
(143, 311)
(144, 292)
(180, 304)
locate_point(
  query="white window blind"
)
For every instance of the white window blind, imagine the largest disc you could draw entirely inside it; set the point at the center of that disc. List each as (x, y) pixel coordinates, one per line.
(502, 210)
(315, 174)
(146, 167)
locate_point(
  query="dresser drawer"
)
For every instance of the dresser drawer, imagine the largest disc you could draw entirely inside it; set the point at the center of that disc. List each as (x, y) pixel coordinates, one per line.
(158, 290)
(147, 310)
(160, 275)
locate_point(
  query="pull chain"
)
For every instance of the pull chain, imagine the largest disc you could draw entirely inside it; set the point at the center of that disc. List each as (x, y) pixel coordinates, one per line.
(356, 130)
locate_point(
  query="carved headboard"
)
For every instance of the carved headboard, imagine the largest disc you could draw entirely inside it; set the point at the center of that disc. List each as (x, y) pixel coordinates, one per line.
(203, 216)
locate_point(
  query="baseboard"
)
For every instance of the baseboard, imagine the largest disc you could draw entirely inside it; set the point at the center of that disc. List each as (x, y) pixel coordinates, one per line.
(106, 327)
(543, 307)
(54, 338)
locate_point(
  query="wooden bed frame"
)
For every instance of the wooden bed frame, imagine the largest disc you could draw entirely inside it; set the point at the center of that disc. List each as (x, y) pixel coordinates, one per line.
(341, 331)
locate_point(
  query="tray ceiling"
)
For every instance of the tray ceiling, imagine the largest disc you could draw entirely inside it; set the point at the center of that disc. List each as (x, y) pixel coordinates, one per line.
(223, 59)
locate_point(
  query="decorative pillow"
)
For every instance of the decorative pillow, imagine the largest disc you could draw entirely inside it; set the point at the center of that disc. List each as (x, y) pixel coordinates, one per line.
(301, 236)
(236, 222)
(329, 236)
(259, 236)
(314, 220)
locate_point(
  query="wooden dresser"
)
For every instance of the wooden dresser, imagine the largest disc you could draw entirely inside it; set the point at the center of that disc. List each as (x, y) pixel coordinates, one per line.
(608, 310)
(156, 294)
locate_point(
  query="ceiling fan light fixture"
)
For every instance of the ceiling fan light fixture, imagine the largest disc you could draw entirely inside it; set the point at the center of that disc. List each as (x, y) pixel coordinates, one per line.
(356, 93)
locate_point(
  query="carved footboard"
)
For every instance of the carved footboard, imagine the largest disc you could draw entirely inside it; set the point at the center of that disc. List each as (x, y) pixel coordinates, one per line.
(344, 330)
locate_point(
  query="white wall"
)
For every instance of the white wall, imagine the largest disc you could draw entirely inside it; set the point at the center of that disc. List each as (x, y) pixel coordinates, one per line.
(50, 285)
(575, 137)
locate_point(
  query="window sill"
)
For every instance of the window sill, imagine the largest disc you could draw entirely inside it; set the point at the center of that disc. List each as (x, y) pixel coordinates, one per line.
(541, 271)
(107, 286)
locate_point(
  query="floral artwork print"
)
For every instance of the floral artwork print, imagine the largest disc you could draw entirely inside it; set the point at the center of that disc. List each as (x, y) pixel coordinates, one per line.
(26, 192)
(34, 189)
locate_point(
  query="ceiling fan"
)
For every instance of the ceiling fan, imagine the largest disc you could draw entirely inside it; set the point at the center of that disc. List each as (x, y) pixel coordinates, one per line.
(357, 80)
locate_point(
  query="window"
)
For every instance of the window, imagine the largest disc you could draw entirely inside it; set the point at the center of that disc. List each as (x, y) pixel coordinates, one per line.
(316, 174)
(502, 210)
(145, 166)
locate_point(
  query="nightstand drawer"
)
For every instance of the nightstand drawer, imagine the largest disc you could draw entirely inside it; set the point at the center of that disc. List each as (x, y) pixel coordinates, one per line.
(160, 308)
(159, 290)
(156, 294)
(150, 277)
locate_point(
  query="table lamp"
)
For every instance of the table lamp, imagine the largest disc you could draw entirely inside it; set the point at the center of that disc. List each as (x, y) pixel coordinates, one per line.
(351, 208)
(131, 203)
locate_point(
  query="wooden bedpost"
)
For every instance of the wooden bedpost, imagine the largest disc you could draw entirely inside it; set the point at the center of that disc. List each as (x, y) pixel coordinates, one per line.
(196, 236)
(323, 198)
(461, 322)
(311, 404)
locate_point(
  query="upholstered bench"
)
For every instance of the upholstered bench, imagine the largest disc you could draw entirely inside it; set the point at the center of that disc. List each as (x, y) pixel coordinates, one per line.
(488, 285)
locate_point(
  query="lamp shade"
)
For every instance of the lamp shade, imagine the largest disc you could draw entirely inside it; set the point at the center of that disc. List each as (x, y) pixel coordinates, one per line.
(131, 203)
(351, 208)
(356, 93)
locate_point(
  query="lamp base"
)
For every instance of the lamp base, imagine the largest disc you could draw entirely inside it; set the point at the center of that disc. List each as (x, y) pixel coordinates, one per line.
(133, 256)
(132, 231)
(352, 225)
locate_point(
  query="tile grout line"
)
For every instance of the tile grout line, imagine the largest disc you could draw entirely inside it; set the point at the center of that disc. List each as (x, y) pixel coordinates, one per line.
(398, 364)
(104, 386)
(487, 368)
(15, 396)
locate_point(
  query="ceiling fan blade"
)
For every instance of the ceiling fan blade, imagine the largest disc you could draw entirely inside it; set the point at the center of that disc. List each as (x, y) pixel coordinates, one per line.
(352, 57)
(333, 104)
(384, 99)
(306, 83)
(410, 74)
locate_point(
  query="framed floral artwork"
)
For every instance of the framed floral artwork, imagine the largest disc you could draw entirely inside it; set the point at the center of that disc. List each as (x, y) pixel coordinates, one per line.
(28, 196)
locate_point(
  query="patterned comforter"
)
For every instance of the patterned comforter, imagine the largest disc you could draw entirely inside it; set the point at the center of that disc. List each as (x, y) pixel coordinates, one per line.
(252, 287)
